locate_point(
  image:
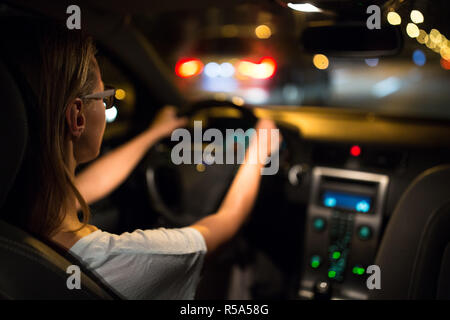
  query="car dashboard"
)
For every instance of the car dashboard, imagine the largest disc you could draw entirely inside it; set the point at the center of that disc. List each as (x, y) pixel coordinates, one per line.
(344, 172)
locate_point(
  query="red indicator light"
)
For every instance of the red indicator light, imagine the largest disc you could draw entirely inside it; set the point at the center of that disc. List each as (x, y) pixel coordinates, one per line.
(355, 151)
(186, 68)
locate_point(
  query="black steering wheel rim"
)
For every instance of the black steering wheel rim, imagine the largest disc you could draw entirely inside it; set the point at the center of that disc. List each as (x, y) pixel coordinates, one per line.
(176, 216)
(191, 109)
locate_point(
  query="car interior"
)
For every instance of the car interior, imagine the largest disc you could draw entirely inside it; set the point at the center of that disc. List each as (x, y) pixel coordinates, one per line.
(364, 167)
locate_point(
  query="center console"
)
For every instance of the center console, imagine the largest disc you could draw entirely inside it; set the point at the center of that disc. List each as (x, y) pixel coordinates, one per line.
(343, 228)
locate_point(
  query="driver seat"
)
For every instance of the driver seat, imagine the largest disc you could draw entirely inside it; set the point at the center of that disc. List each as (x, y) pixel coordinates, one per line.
(30, 268)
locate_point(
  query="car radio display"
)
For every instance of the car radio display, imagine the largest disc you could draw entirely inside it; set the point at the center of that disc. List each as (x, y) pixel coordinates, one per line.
(346, 201)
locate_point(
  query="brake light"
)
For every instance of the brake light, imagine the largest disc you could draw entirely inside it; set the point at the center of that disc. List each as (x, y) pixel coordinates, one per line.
(445, 64)
(186, 68)
(264, 69)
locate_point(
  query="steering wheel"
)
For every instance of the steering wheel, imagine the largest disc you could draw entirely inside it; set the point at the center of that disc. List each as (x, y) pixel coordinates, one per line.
(183, 194)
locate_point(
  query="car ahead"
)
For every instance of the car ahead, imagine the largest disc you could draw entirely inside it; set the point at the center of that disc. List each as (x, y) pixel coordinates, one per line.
(358, 208)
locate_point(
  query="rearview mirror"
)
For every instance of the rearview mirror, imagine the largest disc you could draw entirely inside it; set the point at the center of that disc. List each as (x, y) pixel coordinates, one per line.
(352, 41)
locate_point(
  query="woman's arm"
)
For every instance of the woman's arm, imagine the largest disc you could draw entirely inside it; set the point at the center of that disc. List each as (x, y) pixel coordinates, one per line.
(108, 172)
(235, 208)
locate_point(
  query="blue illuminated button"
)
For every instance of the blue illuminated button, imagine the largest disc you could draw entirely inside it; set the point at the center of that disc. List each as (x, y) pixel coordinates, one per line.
(364, 232)
(319, 224)
(330, 202)
(362, 206)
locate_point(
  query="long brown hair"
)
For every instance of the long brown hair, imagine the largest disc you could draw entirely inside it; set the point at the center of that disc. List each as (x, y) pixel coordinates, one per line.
(59, 65)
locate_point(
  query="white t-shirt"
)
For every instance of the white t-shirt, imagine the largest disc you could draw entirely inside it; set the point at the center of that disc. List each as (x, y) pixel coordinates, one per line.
(146, 264)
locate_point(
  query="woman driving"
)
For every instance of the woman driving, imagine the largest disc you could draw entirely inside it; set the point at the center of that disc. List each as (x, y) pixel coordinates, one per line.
(67, 122)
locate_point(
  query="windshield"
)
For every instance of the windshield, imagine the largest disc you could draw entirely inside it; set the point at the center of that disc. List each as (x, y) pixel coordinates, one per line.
(252, 53)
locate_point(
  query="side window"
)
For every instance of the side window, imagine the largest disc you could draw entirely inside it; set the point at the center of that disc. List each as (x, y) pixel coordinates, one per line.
(119, 118)
(133, 110)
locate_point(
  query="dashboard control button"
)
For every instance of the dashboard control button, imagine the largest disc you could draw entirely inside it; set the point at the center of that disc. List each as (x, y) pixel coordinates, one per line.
(331, 274)
(315, 261)
(364, 232)
(358, 270)
(336, 255)
(323, 287)
(319, 224)
(322, 290)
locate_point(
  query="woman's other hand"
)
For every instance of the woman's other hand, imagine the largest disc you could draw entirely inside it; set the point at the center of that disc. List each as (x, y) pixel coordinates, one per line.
(166, 121)
(265, 141)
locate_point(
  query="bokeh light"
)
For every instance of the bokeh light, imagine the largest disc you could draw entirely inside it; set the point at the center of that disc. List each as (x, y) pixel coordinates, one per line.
(320, 61)
(394, 18)
(120, 94)
(435, 36)
(238, 101)
(262, 70)
(412, 30)
(445, 52)
(200, 167)
(445, 64)
(226, 70)
(263, 31)
(419, 57)
(186, 68)
(430, 44)
(416, 16)
(256, 95)
(212, 70)
(422, 38)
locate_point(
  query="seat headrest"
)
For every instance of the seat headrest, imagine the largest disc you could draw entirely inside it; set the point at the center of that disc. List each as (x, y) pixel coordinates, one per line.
(13, 130)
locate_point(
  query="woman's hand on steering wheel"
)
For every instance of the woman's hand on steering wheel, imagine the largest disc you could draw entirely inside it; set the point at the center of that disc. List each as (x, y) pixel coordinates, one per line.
(269, 125)
(166, 121)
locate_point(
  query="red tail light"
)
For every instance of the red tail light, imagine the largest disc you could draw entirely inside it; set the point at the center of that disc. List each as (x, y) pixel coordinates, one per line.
(186, 68)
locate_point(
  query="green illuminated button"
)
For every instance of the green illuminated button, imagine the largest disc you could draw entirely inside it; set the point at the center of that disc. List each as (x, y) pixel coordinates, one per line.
(319, 224)
(331, 274)
(336, 255)
(364, 233)
(315, 261)
(358, 270)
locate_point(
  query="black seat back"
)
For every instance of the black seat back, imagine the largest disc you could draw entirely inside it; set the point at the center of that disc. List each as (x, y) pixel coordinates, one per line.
(414, 256)
(29, 269)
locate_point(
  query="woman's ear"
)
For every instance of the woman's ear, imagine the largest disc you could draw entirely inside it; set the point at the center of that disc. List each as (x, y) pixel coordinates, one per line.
(76, 121)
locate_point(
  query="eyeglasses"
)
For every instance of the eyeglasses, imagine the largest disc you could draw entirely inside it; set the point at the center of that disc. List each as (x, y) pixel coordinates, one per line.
(107, 96)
